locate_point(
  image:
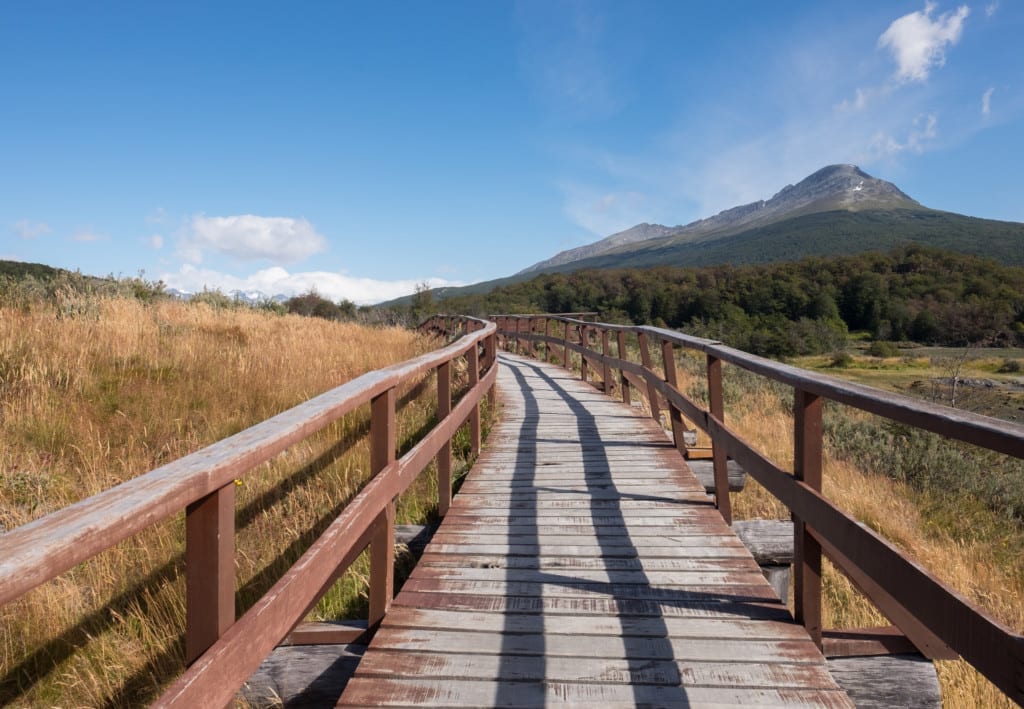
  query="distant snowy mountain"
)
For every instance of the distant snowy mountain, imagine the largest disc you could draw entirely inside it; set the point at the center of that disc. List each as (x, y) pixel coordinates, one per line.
(253, 297)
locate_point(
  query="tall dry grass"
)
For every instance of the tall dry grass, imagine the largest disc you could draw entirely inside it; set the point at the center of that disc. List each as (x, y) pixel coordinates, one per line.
(963, 555)
(119, 388)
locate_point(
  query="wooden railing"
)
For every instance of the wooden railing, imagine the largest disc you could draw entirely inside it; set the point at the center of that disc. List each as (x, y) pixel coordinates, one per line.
(935, 619)
(223, 652)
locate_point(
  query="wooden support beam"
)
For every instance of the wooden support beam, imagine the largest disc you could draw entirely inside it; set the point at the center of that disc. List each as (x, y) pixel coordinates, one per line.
(718, 453)
(668, 359)
(623, 354)
(209, 570)
(444, 458)
(807, 468)
(652, 391)
(383, 441)
(473, 359)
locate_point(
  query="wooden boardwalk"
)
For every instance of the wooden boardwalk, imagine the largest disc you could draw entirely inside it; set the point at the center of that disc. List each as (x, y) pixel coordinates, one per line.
(582, 563)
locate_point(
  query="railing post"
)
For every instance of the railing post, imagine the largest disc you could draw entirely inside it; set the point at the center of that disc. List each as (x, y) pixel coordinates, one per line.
(720, 460)
(473, 360)
(623, 382)
(668, 358)
(645, 360)
(585, 344)
(566, 362)
(606, 370)
(490, 348)
(444, 456)
(547, 334)
(209, 570)
(807, 551)
(382, 545)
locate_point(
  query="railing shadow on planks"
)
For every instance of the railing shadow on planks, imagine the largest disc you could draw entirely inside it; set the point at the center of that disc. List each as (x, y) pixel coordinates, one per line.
(223, 652)
(936, 620)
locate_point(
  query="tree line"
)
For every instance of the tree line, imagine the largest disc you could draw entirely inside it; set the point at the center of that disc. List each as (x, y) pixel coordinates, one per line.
(915, 293)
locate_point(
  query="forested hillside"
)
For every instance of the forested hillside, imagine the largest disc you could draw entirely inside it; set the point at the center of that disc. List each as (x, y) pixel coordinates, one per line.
(914, 293)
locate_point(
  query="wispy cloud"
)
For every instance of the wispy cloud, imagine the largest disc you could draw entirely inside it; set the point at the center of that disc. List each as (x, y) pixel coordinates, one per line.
(924, 129)
(991, 8)
(156, 241)
(918, 43)
(986, 101)
(604, 213)
(276, 280)
(87, 236)
(249, 237)
(27, 229)
(157, 216)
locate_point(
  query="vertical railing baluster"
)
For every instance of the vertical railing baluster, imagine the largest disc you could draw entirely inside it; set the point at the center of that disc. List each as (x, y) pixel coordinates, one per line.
(606, 369)
(623, 382)
(383, 438)
(547, 334)
(645, 360)
(668, 359)
(720, 460)
(209, 570)
(566, 361)
(807, 551)
(444, 456)
(473, 361)
(585, 344)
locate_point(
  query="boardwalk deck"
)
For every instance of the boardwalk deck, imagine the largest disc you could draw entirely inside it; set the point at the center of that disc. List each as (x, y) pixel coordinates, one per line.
(582, 563)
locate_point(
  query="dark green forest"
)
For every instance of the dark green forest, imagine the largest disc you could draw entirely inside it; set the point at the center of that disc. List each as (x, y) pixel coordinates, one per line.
(915, 293)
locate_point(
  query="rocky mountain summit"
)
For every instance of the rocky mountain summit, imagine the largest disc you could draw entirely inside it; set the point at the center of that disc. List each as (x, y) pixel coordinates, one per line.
(836, 187)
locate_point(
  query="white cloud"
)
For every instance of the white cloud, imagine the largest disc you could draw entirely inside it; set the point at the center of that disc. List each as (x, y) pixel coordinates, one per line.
(986, 101)
(251, 237)
(604, 213)
(991, 8)
(87, 236)
(276, 280)
(156, 241)
(918, 43)
(925, 128)
(27, 229)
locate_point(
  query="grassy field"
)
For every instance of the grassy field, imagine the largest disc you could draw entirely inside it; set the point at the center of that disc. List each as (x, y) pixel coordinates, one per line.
(927, 496)
(105, 393)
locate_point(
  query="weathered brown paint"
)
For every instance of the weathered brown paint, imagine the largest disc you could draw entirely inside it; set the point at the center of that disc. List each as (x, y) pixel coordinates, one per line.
(720, 459)
(807, 551)
(209, 570)
(444, 457)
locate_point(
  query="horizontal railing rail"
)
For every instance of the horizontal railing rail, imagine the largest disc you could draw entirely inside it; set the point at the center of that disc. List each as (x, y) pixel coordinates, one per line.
(223, 652)
(936, 619)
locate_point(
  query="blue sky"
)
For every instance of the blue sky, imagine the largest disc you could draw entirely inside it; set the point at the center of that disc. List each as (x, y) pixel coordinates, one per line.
(361, 148)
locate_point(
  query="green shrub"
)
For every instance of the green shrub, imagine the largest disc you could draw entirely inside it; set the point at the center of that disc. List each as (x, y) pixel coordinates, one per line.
(881, 348)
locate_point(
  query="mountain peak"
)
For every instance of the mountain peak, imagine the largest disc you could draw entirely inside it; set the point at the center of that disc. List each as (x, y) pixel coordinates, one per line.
(834, 187)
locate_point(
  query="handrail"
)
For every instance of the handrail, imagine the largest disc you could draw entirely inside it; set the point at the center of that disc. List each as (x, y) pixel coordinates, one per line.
(202, 483)
(940, 622)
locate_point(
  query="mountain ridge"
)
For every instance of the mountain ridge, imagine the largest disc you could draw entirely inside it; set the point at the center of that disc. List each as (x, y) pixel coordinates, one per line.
(834, 187)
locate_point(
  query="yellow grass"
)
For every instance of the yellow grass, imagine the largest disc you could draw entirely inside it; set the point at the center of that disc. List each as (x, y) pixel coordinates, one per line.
(91, 401)
(973, 569)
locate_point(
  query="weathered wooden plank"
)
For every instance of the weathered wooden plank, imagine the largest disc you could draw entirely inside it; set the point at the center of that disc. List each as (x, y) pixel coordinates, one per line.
(440, 622)
(584, 591)
(669, 539)
(601, 576)
(568, 563)
(672, 551)
(888, 681)
(769, 540)
(302, 676)
(699, 605)
(635, 670)
(380, 691)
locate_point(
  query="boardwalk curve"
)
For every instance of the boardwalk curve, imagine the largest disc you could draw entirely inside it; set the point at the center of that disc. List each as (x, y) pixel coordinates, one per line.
(582, 563)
